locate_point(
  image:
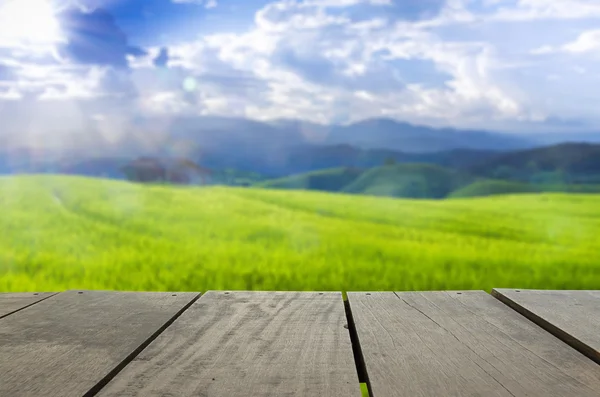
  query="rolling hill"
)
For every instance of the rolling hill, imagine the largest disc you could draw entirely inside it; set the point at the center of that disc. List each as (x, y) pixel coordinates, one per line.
(568, 168)
(408, 181)
(60, 233)
(417, 181)
(396, 180)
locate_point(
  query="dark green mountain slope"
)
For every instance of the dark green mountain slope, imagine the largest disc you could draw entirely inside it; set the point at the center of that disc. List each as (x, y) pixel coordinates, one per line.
(490, 187)
(558, 164)
(329, 180)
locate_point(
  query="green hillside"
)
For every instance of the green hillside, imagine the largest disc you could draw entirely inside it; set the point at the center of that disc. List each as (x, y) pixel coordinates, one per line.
(420, 181)
(59, 233)
(489, 187)
(398, 180)
(409, 181)
(329, 180)
(566, 163)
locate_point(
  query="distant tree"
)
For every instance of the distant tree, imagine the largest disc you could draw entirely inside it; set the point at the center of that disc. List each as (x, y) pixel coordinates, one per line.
(145, 169)
(178, 171)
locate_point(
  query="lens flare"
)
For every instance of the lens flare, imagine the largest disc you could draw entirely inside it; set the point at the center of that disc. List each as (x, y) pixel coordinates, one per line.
(190, 84)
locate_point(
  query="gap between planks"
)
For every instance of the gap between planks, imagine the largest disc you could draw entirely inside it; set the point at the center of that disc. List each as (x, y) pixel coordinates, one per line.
(112, 374)
(560, 327)
(16, 304)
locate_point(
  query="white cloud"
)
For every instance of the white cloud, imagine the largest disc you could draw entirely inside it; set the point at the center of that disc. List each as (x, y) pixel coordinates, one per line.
(167, 102)
(10, 94)
(545, 49)
(345, 3)
(205, 3)
(352, 50)
(527, 10)
(332, 60)
(586, 42)
(284, 15)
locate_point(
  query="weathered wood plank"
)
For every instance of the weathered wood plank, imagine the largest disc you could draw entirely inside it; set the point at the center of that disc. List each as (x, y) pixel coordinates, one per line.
(573, 316)
(248, 344)
(13, 302)
(73, 342)
(463, 344)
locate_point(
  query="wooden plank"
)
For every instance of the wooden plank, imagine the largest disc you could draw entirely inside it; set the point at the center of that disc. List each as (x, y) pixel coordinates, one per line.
(73, 342)
(462, 344)
(248, 344)
(13, 302)
(573, 316)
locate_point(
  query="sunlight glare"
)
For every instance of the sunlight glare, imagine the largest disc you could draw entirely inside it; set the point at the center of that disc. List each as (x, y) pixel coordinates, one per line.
(31, 21)
(189, 84)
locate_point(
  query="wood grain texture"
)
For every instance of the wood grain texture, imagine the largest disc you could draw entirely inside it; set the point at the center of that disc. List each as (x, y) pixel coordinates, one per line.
(68, 344)
(572, 316)
(13, 302)
(255, 344)
(441, 344)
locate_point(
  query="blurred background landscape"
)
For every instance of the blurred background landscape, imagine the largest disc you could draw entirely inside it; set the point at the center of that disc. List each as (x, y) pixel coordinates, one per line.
(299, 145)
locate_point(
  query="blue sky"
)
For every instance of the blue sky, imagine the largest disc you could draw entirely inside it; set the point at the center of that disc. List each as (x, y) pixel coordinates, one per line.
(513, 65)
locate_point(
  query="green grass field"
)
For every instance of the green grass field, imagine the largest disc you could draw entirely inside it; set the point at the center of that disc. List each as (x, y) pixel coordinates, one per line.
(60, 233)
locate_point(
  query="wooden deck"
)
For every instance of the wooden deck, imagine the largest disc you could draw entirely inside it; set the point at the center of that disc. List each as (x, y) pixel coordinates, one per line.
(511, 343)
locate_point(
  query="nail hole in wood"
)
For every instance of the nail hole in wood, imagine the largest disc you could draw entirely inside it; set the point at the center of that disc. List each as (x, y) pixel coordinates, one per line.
(368, 293)
(80, 292)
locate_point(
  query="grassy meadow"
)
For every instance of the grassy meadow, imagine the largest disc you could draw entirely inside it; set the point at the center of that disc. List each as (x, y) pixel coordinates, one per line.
(59, 232)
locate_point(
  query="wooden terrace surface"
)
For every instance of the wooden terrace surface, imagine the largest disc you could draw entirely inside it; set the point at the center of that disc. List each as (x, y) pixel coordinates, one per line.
(512, 343)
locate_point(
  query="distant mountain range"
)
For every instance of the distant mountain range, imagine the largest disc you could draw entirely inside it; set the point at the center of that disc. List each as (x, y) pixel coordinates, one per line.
(293, 160)
(274, 149)
(405, 137)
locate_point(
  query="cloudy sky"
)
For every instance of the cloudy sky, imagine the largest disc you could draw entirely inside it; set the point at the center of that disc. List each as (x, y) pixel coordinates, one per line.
(514, 65)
